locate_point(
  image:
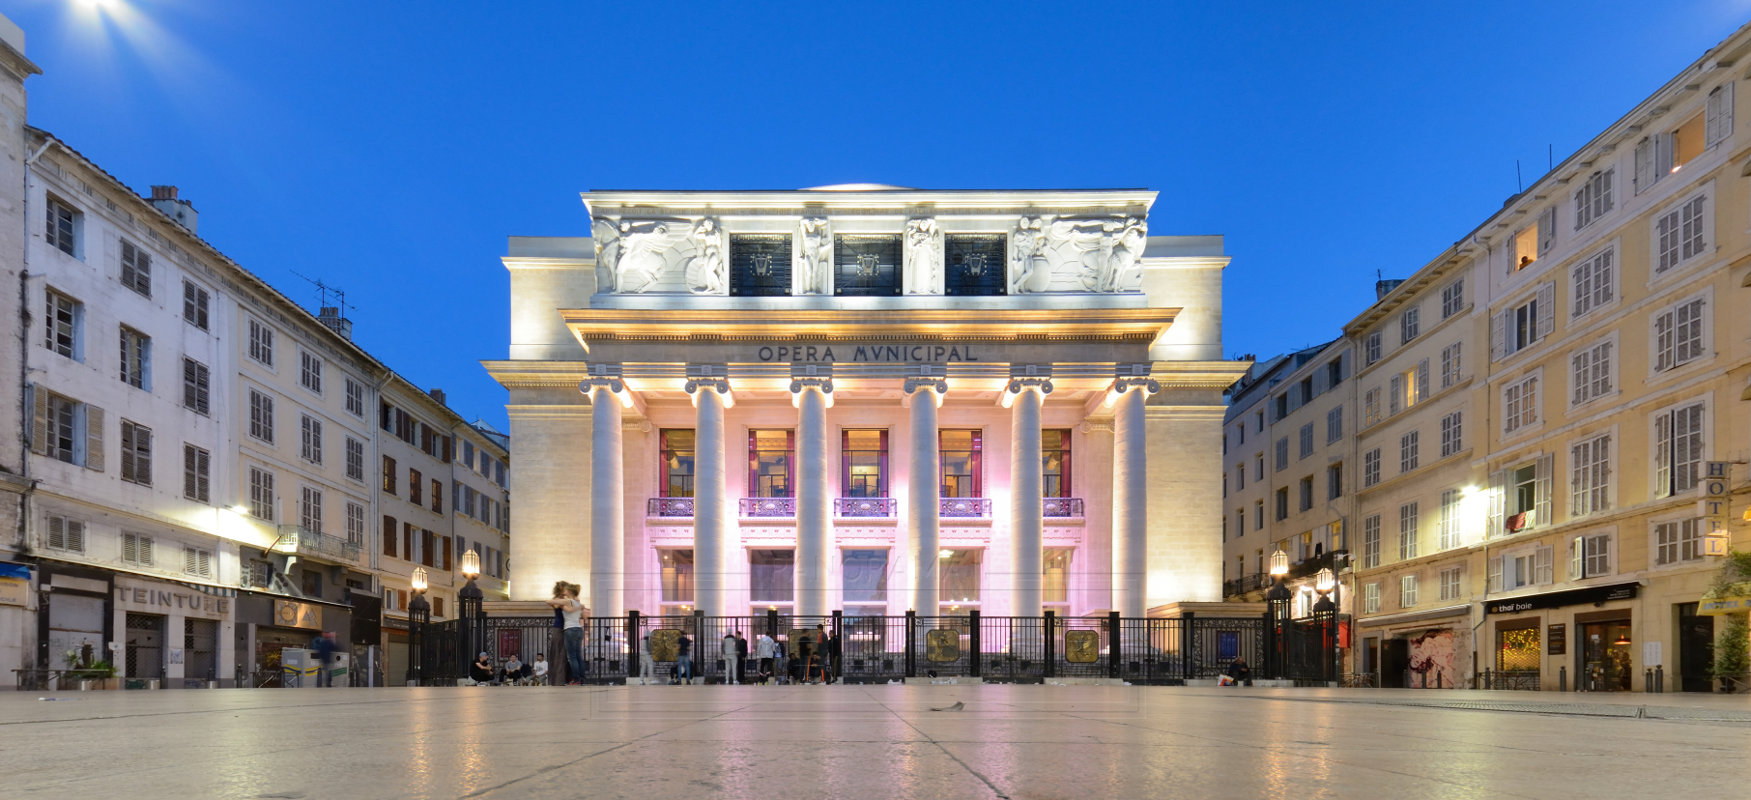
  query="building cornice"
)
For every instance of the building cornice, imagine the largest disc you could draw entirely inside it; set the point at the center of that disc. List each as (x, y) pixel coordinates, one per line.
(919, 324)
(537, 374)
(887, 201)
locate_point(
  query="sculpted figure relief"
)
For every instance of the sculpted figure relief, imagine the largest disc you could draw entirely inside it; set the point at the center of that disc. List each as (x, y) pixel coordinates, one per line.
(815, 261)
(606, 239)
(1029, 271)
(1109, 249)
(923, 257)
(708, 272)
(641, 261)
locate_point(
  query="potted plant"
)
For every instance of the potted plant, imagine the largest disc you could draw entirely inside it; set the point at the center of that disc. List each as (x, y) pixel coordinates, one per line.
(1732, 661)
(83, 673)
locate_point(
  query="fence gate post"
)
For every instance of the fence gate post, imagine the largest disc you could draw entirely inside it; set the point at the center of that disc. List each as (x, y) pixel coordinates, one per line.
(1270, 661)
(1051, 644)
(911, 644)
(1115, 641)
(634, 647)
(1188, 638)
(975, 668)
(772, 623)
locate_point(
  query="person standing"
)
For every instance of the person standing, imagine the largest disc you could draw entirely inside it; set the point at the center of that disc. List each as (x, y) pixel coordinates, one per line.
(741, 658)
(565, 600)
(729, 655)
(781, 661)
(647, 663)
(833, 644)
(325, 647)
(763, 650)
(684, 659)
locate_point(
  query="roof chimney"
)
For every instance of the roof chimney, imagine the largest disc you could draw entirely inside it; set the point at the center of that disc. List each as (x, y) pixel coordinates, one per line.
(330, 317)
(438, 395)
(165, 200)
(1384, 288)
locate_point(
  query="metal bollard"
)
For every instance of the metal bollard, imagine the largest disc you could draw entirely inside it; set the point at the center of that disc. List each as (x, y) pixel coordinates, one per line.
(1648, 681)
(1438, 679)
(1562, 678)
(1660, 679)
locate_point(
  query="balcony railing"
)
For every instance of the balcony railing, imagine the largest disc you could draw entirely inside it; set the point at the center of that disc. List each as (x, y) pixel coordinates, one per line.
(1242, 585)
(669, 507)
(301, 541)
(1059, 507)
(864, 506)
(964, 507)
(768, 507)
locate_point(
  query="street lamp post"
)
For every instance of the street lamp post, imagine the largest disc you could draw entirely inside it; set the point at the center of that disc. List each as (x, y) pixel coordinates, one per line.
(1325, 614)
(473, 617)
(419, 612)
(1277, 602)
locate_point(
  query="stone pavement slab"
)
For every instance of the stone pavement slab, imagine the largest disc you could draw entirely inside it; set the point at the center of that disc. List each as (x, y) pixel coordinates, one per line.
(882, 741)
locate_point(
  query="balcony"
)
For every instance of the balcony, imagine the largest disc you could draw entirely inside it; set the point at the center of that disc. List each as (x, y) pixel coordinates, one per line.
(964, 508)
(864, 507)
(1061, 507)
(1249, 583)
(673, 507)
(300, 541)
(768, 507)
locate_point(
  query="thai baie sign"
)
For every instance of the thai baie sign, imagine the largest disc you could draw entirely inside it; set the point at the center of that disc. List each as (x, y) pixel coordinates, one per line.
(868, 353)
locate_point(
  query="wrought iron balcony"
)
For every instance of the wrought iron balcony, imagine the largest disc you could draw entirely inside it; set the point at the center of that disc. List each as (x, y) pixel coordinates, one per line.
(768, 507)
(669, 507)
(305, 543)
(1062, 506)
(1248, 583)
(965, 508)
(864, 506)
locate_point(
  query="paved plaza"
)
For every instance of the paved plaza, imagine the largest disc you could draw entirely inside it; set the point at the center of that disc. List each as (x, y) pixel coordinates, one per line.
(870, 742)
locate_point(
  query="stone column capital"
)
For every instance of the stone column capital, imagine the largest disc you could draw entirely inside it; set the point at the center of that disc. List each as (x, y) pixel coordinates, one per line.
(799, 384)
(1019, 385)
(1148, 385)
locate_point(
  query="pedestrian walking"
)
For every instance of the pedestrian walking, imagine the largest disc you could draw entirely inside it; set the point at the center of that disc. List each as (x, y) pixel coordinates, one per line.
(325, 647)
(684, 659)
(565, 601)
(833, 655)
(764, 648)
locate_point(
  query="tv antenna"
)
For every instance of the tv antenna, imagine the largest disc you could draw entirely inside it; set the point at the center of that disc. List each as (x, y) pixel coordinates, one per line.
(325, 291)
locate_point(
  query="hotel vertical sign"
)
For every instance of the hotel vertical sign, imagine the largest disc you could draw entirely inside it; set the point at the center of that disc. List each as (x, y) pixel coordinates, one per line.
(1714, 506)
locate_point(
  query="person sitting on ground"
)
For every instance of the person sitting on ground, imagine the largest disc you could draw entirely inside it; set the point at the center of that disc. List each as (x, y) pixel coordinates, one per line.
(481, 670)
(1239, 672)
(538, 672)
(515, 671)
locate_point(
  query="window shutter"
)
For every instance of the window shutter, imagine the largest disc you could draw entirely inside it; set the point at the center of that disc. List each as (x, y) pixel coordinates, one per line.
(190, 562)
(1498, 485)
(1498, 335)
(1712, 123)
(1546, 310)
(57, 533)
(388, 536)
(1546, 230)
(93, 437)
(1396, 391)
(130, 547)
(1544, 570)
(1662, 155)
(1494, 583)
(1422, 380)
(39, 421)
(1726, 114)
(1541, 488)
(1577, 558)
(444, 546)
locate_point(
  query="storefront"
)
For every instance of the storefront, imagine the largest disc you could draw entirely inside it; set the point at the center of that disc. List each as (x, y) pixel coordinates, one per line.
(1542, 642)
(1417, 650)
(175, 634)
(268, 623)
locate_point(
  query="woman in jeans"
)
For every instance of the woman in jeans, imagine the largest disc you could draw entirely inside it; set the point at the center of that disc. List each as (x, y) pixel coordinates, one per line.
(565, 600)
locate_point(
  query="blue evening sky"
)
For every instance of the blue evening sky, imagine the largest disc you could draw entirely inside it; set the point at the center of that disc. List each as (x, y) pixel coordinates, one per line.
(390, 147)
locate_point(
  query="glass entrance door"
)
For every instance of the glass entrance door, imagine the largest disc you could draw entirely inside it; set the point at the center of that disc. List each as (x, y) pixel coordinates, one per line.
(1605, 656)
(1696, 643)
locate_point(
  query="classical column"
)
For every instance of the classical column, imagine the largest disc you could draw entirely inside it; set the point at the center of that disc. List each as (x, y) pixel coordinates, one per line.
(814, 512)
(1130, 495)
(711, 525)
(923, 493)
(1026, 512)
(607, 498)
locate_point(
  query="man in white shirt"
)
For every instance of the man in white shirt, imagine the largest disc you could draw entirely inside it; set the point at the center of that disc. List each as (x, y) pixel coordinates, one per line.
(764, 648)
(729, 654)
(540, 667)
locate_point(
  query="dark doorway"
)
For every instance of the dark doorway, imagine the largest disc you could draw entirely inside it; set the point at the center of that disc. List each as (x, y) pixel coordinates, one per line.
(1605, 656)
(1696, 648)
(1395, 661)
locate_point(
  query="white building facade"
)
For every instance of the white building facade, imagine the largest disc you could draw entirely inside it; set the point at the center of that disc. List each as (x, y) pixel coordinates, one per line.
(868, 399)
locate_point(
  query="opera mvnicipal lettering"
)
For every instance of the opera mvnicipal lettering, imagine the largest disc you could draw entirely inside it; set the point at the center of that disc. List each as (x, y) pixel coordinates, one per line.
(923, 353)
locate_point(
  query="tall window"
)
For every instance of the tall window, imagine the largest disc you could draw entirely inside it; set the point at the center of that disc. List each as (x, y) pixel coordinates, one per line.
(1593, 199)
(1450, 535)
(1680, 234)
(261, 416)
(261, 494)
(391, 477)
(1590, 556)
(1407, 591)
(1591, 368)
(1407, 531)
(310, 372)
(1591, 460)
(310, 509)
(136, 358)
(1677, 541)
(196, 304)
(677, 575)
(1677, 449)
(1370, 406)
(1450, 583)
(136, 453)
(1407, 452)
(1306, 491)
(311, 441)
(136, 269)
(1452, 434)
(1334, 481)
(197, 467)
(1055, 463)
(770, 463)
(1371, 467)
(1718, 115)
(1520, 404)
(355, 459)
(1523, 325)
(1055, 575)
(355, 523)
(1334, 425)
(355, 398)
(1409, 387)
(1282, 504)
(864, 573)
(1453, 298)
(772, 576)
(1282, 454)
(1305, 441)
(1371, 541)
(1409, 324)
(864, 467)
(63, 227)
(1452, 365)
(959, 576)
(66, 430)
(1371, 598)
(1595, 281)
(1679, 332)
(961, 463)
(66, 318)
(676, 445)
(197, 389)
(261, 343)
(1371, 347)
